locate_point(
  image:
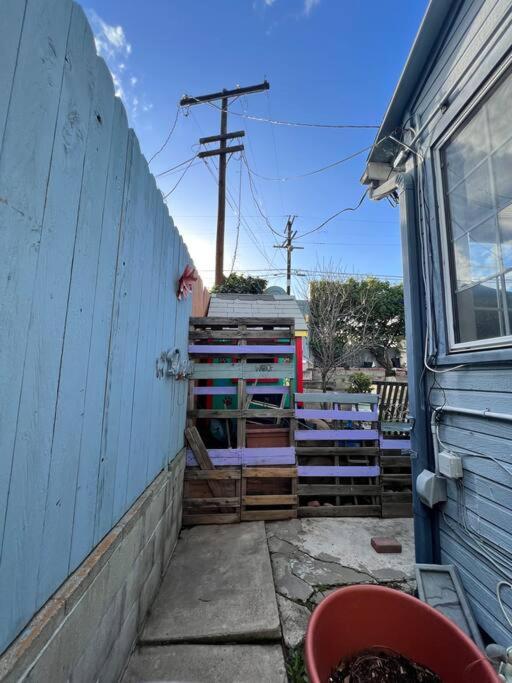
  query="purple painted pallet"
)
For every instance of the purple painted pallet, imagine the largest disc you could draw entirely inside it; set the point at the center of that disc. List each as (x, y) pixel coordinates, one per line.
(394, 444)
(267, 389)
(355, 415)
(339, 471)
(231, 391)
(214, 391)
(280, 455)
(243, 349)
(337, 435)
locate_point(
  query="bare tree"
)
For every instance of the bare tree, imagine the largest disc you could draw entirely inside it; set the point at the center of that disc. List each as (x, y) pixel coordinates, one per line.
(340, 313)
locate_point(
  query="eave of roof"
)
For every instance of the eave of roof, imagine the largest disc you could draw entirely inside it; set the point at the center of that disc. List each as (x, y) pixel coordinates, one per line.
(426, 37)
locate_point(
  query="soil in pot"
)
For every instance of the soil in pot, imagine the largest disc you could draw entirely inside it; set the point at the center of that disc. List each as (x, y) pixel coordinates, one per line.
(379, 665)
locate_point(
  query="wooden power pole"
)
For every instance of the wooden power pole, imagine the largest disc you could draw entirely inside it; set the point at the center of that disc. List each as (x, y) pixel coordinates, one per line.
(222, 151)
(288, 245)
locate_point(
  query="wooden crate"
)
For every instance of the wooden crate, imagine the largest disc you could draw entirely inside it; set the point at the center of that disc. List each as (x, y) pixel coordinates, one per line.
(338, 466)
(211, 496)
(269, 493)
(248, 352)
(396, 484)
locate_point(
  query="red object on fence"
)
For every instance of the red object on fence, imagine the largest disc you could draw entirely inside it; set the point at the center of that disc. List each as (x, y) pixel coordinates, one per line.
(298, 362)
(359, 618)
(186, 282)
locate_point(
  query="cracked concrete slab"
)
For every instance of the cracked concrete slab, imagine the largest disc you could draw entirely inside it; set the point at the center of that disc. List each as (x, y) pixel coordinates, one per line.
(294, 621)
(212, 663)
(345, 542)
(218, 588)
(313, 557)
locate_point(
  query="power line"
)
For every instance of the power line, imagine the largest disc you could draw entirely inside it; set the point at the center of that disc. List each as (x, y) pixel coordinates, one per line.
(222, 152)
(318, 170)
(278, 122)
(235, 251)
(349, 208)
(244, 222)
(173, 168)
(307, 271)
(256, 203)
(168, 137)
(179, 180)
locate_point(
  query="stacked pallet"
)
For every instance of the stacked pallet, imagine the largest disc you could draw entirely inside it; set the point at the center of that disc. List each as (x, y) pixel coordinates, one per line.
(395, 447)
(338, 453)
(247, 365)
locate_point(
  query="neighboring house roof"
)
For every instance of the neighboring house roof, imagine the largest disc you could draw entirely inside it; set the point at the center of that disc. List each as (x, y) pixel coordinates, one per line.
(432, 26)
(257, 306)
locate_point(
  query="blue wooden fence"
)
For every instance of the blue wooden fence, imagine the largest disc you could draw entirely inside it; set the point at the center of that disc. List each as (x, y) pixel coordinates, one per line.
(89, 263)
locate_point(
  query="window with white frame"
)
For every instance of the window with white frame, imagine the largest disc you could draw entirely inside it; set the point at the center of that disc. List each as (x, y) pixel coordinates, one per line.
(476, 162)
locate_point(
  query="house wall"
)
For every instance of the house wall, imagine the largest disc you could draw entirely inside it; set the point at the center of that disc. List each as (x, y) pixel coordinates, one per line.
(476, 37)
(89, 264)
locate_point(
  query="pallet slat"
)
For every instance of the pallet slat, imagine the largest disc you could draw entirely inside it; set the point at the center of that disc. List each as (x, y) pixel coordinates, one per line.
(336, 435)
(242, 350)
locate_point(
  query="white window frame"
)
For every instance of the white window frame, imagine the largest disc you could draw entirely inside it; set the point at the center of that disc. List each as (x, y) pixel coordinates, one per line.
(460, 121)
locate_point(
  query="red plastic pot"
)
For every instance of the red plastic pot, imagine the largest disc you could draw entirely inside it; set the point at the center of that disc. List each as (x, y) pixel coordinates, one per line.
(361, 617)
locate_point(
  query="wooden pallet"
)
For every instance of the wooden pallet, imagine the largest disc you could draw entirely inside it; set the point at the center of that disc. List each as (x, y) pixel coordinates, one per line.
(396, 484)
(211, 496)
(269, 493)
(244, 352)
(339, 466)
(256, 360)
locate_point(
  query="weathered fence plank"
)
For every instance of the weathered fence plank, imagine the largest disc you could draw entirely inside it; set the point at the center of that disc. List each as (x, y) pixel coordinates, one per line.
(68, 472)
(34, 292)
(88, 303)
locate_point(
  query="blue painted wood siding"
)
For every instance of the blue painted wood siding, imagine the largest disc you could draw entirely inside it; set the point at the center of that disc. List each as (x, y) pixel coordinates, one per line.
(89, 264)
(476, 37)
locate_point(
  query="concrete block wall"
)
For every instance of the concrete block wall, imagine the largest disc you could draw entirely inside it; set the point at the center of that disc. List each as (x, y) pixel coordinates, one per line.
(86, 631)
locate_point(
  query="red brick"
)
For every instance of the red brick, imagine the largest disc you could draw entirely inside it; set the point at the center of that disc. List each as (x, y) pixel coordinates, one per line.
(383, 544)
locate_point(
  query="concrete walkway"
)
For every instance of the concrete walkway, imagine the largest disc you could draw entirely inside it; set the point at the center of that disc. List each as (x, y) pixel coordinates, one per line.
(215, 617)
(227, 604)
(313, 557)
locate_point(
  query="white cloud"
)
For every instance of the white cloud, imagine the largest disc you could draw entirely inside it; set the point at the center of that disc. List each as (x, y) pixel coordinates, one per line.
(112, 44)
(309, 5)
(110, 40)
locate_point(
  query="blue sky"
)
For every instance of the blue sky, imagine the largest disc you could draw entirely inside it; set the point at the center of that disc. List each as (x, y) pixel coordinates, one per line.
(327, 61)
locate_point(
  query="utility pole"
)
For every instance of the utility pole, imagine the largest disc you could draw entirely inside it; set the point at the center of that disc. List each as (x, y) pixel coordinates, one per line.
(222, 151)
(288, 245)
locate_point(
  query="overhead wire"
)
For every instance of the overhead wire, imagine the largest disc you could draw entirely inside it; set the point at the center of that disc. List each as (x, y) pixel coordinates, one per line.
(169, 136)
(334, 215)
(279, 122)
(243, 221)
(173, 168)
(315, 171)
(235, 251)
(179, 180)
(256, 202)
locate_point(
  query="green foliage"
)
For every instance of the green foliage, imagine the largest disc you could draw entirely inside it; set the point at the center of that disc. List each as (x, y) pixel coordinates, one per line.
(359, 383)
(295, 666)
(348, 316)
(241, 284)
(387, 319)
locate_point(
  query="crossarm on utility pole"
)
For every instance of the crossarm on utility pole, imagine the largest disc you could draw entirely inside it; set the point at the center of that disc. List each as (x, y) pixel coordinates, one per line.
(187, 101)
(220, 150)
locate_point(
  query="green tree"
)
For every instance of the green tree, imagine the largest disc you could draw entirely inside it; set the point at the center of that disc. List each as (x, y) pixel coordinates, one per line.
(348, 315)
(241, 284)
(387, 319)
(339, 315)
